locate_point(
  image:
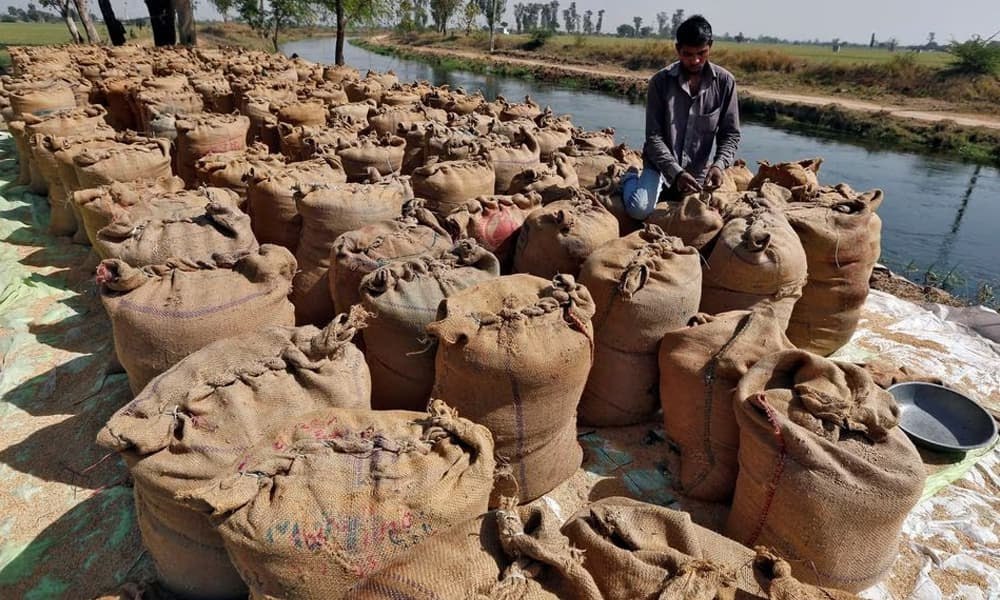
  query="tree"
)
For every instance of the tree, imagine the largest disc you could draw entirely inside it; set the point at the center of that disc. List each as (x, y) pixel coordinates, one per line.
(441, 12)
(269, 17)
(637, 25)
(469, 15)
(588, 22)
(62, 6)
(519, 11)
(116, 31)
(493, 11)
(88, 24)
(871, 44)
(571, 18)
(224, 7)
(625, 30)
(646, 31)
(420, 13)
(161, 21)
(600, 21)
(185, 21)
(675, 20)
(366, 12)
(663, 24)
(892, 43)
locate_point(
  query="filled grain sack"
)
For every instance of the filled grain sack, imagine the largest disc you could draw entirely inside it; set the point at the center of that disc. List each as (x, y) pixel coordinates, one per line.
(160, 109)
(63, 123)
(416, 232)
(404, 296)
(608, 191)
(190, 424)
(384, 154)
(800, 176)
(639, 551)
(588, 164)
(508, 160)
(555, 181)
(387, 120)
(99, 207)
(202, 135)
(643, 285)
(589, 141)
(696, 218)
(700, 366)
(136, 158)
(271, 200)
(181, 230)
(494, 222)
(512, 111)
(327, 211)
(332, 496)
(449, 184)
(511, 554)
(513, 354)
(236, 169)
(310, 113)
(841, 235)
(558, 237)
(740, 175)
(755, 259)
(162, 313)
(826, 477)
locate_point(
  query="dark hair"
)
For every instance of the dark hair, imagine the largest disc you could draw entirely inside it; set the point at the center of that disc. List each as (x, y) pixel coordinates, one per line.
(694, 31)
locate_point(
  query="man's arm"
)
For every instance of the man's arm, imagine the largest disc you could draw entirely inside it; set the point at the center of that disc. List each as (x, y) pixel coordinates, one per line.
(727, 138)
(656, 149)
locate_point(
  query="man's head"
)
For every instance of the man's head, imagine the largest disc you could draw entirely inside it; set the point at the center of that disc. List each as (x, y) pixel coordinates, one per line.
(694, 42)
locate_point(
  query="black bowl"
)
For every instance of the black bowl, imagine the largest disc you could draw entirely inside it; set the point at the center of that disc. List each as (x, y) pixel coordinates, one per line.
(941, 418)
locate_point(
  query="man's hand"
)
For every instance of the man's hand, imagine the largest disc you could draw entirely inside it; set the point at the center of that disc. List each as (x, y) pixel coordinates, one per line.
(714, 178)
(687, 184)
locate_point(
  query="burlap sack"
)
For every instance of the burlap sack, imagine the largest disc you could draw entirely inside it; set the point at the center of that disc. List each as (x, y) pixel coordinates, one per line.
(327, 211)
(216, 93)
(643, 285)
(503, 554)
(774, 574)
(179, 231)
(696, 219)
(63, 123)
(755, 259)
(639, 551)
(140, 159)
(159, 110)
(271, 200)
(333, 495)
(356, 253)
(235, 170)
(529, 109)
(552, 139)
(588, 165)
(513, 354)
(365, 89)
(558, 237)
(195, 420)
(509, 160)
(101, 206)
(384, 154)
(387, 120)
(310, 113)
(206, 134)
(16, 129)
(608, 191)
(404, 296)
(163, 313)
(118, 91)
(494, 222)
(841, 235)
(340, 73)
(357, 111)
(594, 141)
(700, 366)
(740, 175)
(40, 97)
(797, 176)
(826, 477)
(447, 185)
(557, 181)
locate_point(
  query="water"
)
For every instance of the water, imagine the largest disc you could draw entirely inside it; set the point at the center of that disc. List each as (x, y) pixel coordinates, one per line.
(938, 215)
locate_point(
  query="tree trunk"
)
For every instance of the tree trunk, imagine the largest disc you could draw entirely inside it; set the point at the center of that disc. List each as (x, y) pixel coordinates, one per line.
(492, 20)
(161, 21)
(88, 24)
(274, 33)
(71, 24)
(185, 22)
(341, 34)
(116, 31)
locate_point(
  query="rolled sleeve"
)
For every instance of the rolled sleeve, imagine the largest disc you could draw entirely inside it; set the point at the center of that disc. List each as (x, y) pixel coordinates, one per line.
(655, 149)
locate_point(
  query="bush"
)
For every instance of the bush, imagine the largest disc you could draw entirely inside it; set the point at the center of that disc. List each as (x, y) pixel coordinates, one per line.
(975, 56)
(538, 39)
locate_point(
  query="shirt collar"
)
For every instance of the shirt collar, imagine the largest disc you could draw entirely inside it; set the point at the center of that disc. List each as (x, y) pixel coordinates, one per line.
(674, 69)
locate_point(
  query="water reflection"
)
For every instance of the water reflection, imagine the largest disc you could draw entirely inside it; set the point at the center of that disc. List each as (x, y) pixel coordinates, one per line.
(938, 214)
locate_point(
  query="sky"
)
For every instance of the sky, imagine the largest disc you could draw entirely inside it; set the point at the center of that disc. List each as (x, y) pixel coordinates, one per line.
(909, 21)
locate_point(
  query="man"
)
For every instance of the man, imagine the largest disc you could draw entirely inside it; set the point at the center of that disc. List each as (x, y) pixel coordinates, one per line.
(689, 105)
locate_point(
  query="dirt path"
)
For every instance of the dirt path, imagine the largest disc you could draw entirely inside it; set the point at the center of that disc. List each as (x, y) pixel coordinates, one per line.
(608, 71)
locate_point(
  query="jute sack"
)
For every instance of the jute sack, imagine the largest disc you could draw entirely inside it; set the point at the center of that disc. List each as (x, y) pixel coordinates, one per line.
(16, 129)
(271, 200)
(333, 495)
(841, 235)
(505, 554)
(101, 206)
(755, 259)
(600, 141)
(740, 175)
(414, 233)
(62, 123)
(207, 134)
(216, 93)
(387, 120)
(509, 160)
(555, 181)
(40, 98)
(826, 478)
(361, 90)
(447, 185)
(140, 158)
(159, 109)
(639, 551)
(513, 354)
(161, 314)
(195, 234)
(65, 155)
(529, 109)
(494, 222)
(310, 113)
(589, 165)
(796, 176)
(696, 219)
(700, 366)
(404, 296)
(190, 424)
(235, 170)
(399, 96)
(356, 111)
(643, 285)
(384, 154)
(558, 237)
(608, 191)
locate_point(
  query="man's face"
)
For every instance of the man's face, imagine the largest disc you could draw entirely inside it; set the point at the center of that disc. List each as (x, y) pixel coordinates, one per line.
(693, 58)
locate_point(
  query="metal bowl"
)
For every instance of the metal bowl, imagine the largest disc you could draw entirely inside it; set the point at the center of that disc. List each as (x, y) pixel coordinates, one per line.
(941, 418)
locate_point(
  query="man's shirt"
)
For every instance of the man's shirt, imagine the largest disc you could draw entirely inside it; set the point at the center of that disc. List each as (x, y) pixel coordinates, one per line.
(680, 128)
